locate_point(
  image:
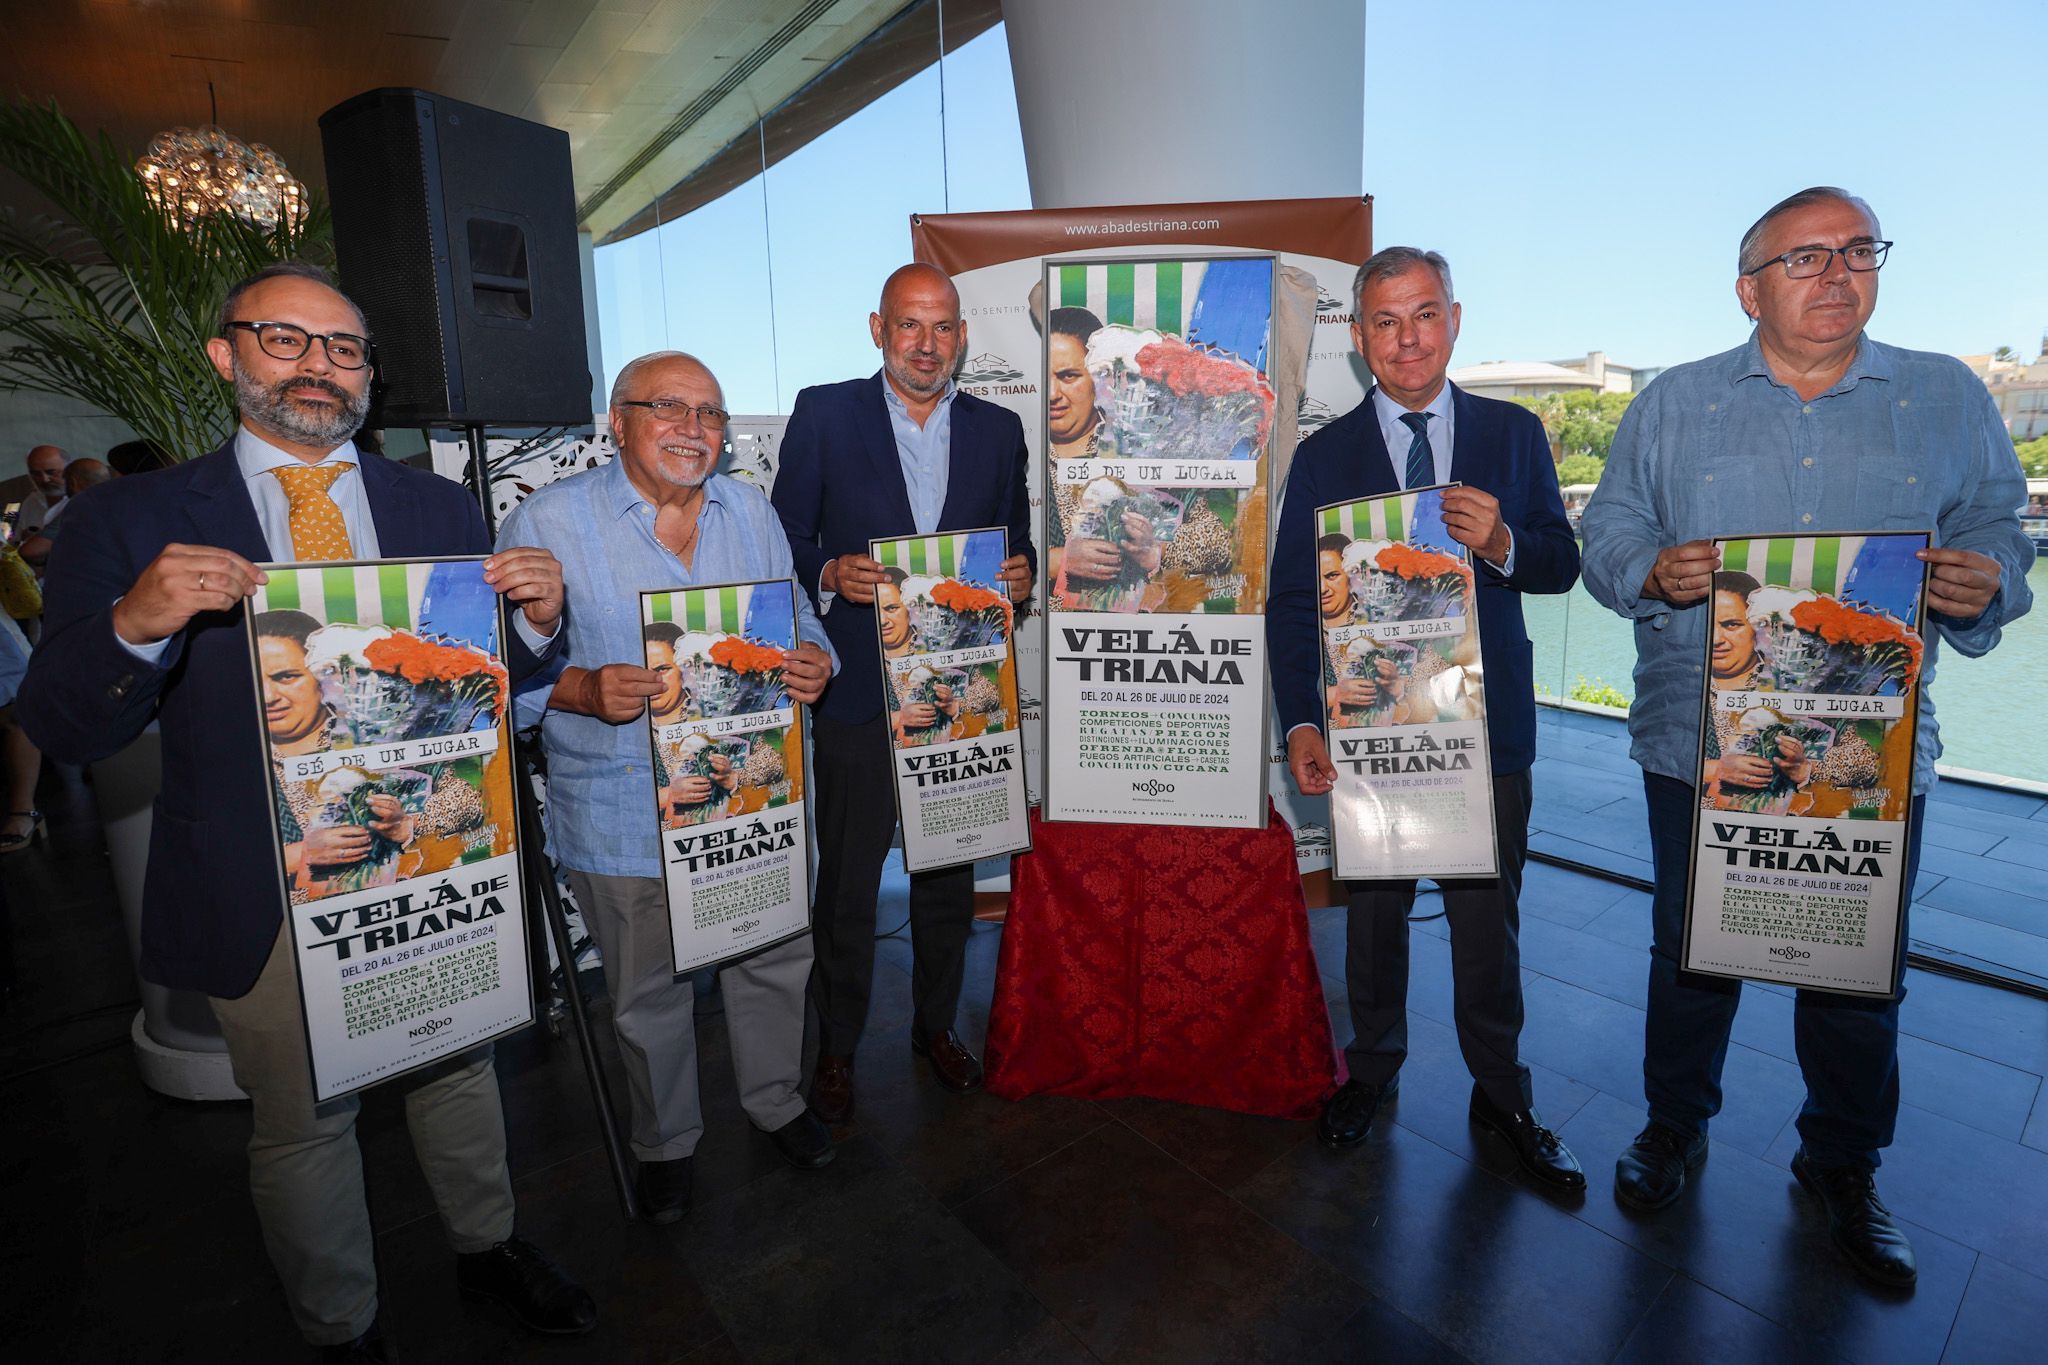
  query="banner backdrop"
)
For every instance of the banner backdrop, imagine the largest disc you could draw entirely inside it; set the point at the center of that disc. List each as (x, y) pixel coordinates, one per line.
(1806, 761)
(1403, 685)
(728, 768)
(950, 674)
(997, 261)
(385, 724)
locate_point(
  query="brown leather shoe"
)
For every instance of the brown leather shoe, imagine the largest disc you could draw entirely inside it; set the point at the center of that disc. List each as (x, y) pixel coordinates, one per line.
(957, 1069)
(832, 1088)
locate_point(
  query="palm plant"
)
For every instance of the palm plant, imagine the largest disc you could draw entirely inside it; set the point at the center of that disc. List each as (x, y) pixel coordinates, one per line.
(110, 300)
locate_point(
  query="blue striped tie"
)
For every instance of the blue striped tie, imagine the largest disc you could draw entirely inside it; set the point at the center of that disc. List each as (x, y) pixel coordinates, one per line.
(1421, 459)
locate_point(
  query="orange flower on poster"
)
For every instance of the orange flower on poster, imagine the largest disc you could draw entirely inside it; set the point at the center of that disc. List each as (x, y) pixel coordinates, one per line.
(419, 661)
(744, 656)
(1410, 562)
(966, 598)
(1840, 624)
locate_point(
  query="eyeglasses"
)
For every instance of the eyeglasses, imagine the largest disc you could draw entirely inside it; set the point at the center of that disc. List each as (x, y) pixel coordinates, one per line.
(285, 341)
(1804, 262)
(712, 418)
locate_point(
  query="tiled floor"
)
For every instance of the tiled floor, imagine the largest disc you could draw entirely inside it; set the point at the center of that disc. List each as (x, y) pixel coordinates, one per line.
(1060, 1230)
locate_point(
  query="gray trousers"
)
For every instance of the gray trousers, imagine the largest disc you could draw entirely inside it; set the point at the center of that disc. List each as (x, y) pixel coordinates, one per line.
(654, 1015)
(306, 1172)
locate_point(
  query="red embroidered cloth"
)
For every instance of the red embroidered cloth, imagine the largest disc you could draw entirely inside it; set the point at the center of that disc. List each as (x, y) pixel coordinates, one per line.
(1160, 961)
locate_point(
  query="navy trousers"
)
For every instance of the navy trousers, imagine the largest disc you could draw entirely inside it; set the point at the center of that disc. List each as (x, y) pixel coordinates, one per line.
(1848, 1045)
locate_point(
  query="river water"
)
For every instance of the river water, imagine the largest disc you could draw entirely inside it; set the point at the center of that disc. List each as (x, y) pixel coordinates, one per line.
(1990, 719)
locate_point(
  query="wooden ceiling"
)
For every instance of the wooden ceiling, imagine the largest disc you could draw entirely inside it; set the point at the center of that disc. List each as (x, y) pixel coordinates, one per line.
(649, 91)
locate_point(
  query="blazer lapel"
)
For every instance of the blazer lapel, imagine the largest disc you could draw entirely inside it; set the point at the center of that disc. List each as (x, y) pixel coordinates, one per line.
(219, 506)
(1470, 440)
(1378, 467)
(396, 515)
(880, 439)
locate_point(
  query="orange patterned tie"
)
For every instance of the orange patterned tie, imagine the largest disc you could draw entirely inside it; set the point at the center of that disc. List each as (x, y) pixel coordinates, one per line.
(318, 532)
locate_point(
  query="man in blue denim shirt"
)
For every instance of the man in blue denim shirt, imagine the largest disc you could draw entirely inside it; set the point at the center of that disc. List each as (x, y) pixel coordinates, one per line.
(1809, 427)
(658, 517)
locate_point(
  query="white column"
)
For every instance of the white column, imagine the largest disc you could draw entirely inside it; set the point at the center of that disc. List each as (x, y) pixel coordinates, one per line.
(1176, 101)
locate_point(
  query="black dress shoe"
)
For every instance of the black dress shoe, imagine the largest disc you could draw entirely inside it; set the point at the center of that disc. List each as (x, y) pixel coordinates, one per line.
(957, 1069)
(832, 1088)
(517, 1275)
(664, 1190)
(1650, 1174)
(1862, 1227)
(804, 1142)
(1348, 1114)
(367, 1349)
(1536, 1147)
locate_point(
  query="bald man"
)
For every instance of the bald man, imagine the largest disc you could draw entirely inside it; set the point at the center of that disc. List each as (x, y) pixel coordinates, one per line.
(902, 452)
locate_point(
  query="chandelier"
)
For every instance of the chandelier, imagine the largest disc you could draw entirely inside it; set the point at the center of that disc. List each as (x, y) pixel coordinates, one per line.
(189, 173)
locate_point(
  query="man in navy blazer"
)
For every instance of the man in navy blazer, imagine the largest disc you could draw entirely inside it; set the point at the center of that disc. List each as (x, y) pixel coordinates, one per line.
(903, 452)
(1414, 430)
(144, 621)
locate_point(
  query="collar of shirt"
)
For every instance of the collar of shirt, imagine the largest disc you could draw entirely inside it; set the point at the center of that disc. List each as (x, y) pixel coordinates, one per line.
(257, 456)
(899, 408)
(924, 451)
(1398, 437)
(1870, 363)
(623, 498)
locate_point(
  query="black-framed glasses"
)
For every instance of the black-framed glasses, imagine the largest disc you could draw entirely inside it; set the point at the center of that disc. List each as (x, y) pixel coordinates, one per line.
(711, 416)
(1804, 262)
(287, 341)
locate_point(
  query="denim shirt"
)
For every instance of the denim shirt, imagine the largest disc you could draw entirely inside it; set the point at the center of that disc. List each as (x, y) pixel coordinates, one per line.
(600, 810)
(1905, 440)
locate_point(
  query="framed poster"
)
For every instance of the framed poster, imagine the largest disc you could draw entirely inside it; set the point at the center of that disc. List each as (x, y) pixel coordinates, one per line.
(728, 748)
(1156, 526)
(385, 719)
(949, 675)
(1806, 761)
(1404, 691)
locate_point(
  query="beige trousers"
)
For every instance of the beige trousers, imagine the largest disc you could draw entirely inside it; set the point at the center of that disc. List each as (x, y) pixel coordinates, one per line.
(306, 1173)
(653, 1014)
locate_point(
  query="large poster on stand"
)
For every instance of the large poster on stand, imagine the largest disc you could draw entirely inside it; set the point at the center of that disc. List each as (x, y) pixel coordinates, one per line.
(949, 671)
(1806, 761)
(385, 724)
(1404, 691)
(1156, 532)
(728, 749)
(997, 261)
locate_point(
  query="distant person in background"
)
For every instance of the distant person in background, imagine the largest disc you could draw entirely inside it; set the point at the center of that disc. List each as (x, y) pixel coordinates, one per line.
(20, 765)
(1807, 426)
(46, 476)
(79, 475)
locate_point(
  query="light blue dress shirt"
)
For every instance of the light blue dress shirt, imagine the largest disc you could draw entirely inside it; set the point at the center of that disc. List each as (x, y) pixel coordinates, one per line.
(925, 452)
(256, 457)
(1443, 436)
(1906, 440)
(600, 811)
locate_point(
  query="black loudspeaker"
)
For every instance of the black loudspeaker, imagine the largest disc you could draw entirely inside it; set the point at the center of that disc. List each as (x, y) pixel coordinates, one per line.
(455, 231)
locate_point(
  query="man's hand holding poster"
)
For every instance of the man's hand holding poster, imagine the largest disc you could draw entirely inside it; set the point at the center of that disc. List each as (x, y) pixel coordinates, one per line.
(728, 768)
(1806, 761)
(1402, 687)
(950, 681)
(384, 698)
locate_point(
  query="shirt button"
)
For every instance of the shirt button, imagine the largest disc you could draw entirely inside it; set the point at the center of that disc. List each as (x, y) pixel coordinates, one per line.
(1912, 478)
(1805, 518)
(1807, 408)
(1808, 461)
(1710, 478)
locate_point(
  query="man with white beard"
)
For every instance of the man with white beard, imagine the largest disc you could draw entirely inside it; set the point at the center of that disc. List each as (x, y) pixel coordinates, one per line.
(659, 517)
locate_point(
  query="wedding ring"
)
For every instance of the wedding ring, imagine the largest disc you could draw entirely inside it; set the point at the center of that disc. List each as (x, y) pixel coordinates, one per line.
(202, 582)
